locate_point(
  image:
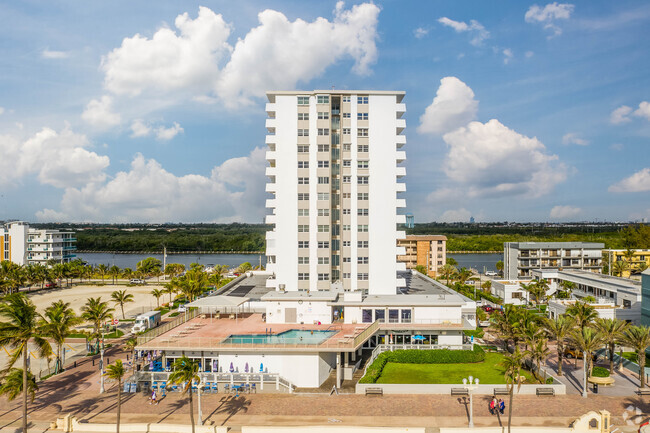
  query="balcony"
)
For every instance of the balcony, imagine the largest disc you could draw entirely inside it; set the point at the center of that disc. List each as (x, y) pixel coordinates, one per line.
(400, 155)
(401, 235)
(271, 187)
(271, 171)
(271, 203)
(271, 139)
(400, 202)
(271, 219)
(271, 155)
(270, 125)
(400, 109)
(401, 219)
(270, 109)
(401, 125)
(400, 251)
(400, 140)
(401, 187)
(400, 171)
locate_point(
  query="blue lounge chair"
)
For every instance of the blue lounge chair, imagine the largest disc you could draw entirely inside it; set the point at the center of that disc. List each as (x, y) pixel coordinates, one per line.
(215, 388)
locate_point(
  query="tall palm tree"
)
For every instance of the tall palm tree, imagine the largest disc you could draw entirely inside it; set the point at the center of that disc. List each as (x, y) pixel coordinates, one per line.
(538, 352)
(567, 288)
(499, 266)
(102, 270)
(619, 267)
(512, 365)
(486, 286)
(21, 327)
(120, 297)
(583, 313)
(612, 331)
(148, 266)
(463, 275)
(96, 312)
(157, 293)
(171, 289)
(58, 323)
(117, 372)
(508, 325)
(59, 271)
(638, 337)
(127, 273)
(587, 340)
(114, 272)
(447, 271)
(559, 329)
(12, 386)
(185, 371)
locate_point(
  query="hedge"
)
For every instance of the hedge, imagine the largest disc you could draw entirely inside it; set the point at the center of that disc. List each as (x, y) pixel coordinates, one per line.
(599, 372)
(413, 356)
(476, 333)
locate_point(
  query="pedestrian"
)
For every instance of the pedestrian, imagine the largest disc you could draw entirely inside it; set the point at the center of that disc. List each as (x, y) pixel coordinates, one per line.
(492, 406)
(153, 397)
(502, 406)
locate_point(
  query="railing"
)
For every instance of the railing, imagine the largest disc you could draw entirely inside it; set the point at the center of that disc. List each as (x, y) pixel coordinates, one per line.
(370, 330)
(215, 377)
(211, 343)
(156, 332)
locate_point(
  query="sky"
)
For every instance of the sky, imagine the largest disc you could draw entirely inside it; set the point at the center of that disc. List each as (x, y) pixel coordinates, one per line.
(139, 111)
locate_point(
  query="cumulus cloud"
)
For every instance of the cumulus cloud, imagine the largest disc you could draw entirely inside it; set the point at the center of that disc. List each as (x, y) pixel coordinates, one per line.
(454, 106)
(620, 115)
(549, 15)
(574, 138)
(139, 128)
(2, 110)
(529, 54)
(638, 182)
(564, 212)
(149, 193)
(476, 29)
(420, 32)
(643, 110)
(166, 134)
(455, 215)
(50, 54)
(60, 159)
(490, 159)
(195, 61)
(99, 113)
(507, 55)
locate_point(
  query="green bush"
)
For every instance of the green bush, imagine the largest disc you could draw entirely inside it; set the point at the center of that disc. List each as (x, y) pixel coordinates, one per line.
(438, 356)
(550, 381)
(599, 372)
(476, 333)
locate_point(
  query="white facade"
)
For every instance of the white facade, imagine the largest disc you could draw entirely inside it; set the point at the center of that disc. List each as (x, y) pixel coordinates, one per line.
(521, 258)
(24, 245)
(510, 291)
(333, 172)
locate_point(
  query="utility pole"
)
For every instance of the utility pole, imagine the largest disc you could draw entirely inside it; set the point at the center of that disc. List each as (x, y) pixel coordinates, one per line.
(164, 259)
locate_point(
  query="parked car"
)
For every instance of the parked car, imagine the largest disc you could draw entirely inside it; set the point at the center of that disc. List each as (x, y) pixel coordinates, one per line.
(484, 323)
(50, 285)
(487, 308)
(571, 352)
(137, 281)
(491, 274)
(182, 308)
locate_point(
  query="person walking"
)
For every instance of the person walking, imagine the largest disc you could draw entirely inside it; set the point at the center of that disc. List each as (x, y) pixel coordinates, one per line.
(502, 406)
(493, 406)
(153, 398)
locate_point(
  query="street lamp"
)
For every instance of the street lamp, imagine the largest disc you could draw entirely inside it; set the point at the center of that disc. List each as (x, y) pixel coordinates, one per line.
(101, 367)
(584, 364)
(471, 386)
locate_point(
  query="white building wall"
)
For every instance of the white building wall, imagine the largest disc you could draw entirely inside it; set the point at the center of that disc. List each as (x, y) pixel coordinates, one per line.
(306, 312)
(450, 338)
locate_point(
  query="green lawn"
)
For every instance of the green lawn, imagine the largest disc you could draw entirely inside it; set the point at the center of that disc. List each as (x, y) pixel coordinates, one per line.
(488, 371)
(631, 356)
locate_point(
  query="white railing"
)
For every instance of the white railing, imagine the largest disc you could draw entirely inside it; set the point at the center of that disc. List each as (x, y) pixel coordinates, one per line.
(219, 378)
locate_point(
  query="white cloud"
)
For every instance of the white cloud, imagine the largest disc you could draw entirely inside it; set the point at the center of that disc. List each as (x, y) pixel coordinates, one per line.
(99, 113)
(638, 182)
(420, 32)
(476, 29)
(59, 159)
(51, 216)
(455, 215)
(564, 212)
(507, 55)
(548, 15)
(185, 64)
(620, 115)
(163, 133)
(139, 128)
(453, 106)
(574, 138)
(617, 146)
(529, 54)
(51, 54)
(489, 159)
(149, 193)
(2, 110)
(643, 110)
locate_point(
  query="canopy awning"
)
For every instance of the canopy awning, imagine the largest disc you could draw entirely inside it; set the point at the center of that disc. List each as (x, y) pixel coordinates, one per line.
(225, 302)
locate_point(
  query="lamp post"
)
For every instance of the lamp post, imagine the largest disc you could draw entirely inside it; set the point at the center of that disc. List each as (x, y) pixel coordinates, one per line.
(101, 367)
(198, 393)
(471, 385)
(584, 375)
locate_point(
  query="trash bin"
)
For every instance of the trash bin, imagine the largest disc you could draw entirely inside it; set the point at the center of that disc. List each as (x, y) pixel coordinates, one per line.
(595, 388)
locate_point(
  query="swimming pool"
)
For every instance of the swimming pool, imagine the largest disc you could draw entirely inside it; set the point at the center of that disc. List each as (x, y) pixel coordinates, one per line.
(293, 336)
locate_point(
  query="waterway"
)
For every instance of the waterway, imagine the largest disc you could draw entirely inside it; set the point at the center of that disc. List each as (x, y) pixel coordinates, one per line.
(480, 262)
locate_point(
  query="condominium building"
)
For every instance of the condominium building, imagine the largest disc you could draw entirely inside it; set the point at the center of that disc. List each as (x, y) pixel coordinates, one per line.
(333, 169)
(519, 258)
(24, 245)
(645, 297)
(429, 251)
(636, 261)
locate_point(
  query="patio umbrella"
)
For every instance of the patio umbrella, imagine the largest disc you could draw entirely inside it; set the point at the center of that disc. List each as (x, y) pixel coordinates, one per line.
(232, 367)
(246, 368)
(417, 337)
(261, 368)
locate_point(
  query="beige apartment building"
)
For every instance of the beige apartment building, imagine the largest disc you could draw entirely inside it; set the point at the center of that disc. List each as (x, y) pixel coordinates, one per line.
(426, 250)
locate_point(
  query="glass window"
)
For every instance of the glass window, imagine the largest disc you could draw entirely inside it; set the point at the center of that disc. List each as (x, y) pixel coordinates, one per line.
(323, 180)
(361, 132)
(303, 100)
(362, 180)
(303, 228)
(323, 147)
(362, 164)
(380, 315)
(323, 131)
(346, 99)
(323, 212)
(303, 181)
(362, 148)
(303, 116)
(362, 116)
(303, 212)
(303, 244)
(303, 260)
(303, 132)
(303, 149)
(323, 277)
(362, 228)
(323, 164)
(393, 316)
(346, 131)
(303, 276)
(303, 164)
(323, 228)
(362, 196)
(362, 99)
(323, 260)
(323, 115)
(406, 316)
(323, 99)
(346, 115)
(303, 196)
(323, 244)
(323, 196)
(366, 315)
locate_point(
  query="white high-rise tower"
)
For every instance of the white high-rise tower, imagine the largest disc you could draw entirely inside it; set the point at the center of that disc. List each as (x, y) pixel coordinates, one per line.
(334, 165)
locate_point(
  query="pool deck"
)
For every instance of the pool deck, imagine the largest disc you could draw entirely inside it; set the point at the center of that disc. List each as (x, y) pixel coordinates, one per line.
(210, 334)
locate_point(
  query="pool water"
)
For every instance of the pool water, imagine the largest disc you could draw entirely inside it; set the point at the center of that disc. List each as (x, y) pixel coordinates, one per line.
(293, 336)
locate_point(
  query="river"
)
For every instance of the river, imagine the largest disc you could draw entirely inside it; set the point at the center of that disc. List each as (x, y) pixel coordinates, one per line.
(476, 261)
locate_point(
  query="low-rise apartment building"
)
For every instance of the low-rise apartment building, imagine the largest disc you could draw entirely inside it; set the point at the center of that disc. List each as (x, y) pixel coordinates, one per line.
(636, 259)
(24, 245)
(520, 258)
(510, 291)
(429, 251)
(645, 298)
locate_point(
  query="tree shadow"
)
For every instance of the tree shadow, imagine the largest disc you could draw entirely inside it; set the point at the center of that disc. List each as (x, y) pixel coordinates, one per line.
(232, 405)
(173, 407)
(465, 402)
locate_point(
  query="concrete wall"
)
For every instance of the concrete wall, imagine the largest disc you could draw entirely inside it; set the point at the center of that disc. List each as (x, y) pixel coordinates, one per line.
(452, 338)
(306, 311)
(331, 429)
(301, 369)
(445, 389)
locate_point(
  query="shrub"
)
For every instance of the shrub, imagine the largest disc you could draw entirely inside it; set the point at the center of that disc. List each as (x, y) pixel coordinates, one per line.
(476, 333)
(599, 372)
(438, 356)
(550, 381)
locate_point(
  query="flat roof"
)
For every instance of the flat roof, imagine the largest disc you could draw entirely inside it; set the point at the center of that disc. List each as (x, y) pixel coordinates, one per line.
(219, 301)
(593, 276)
(255, 288)
(336, 92)
(566, 245)
(424, 238)
(320, 295)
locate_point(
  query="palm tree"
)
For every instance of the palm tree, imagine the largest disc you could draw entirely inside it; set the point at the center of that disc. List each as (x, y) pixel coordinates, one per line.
(559, 329)
(117, 372)
(157, 293)
(447, 271)
(130, 346)
(508, 325)
(538, 353)
(148, 266)
(512, 365)
(619, 267)
(127, 273)
(612, 330)
(499, 266)
(114, 272)
(59, 271)
(12, 276)
(58, 323)
(463, 275)
(171, 289)
(583, 313)
(567, 288)
(96, 312)
(244, 267)
(120, 297)
(22, 327)
(13, 385)
(638, 337)
(102, 270)
(486, 286)
(587, 340)
(186, 371)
